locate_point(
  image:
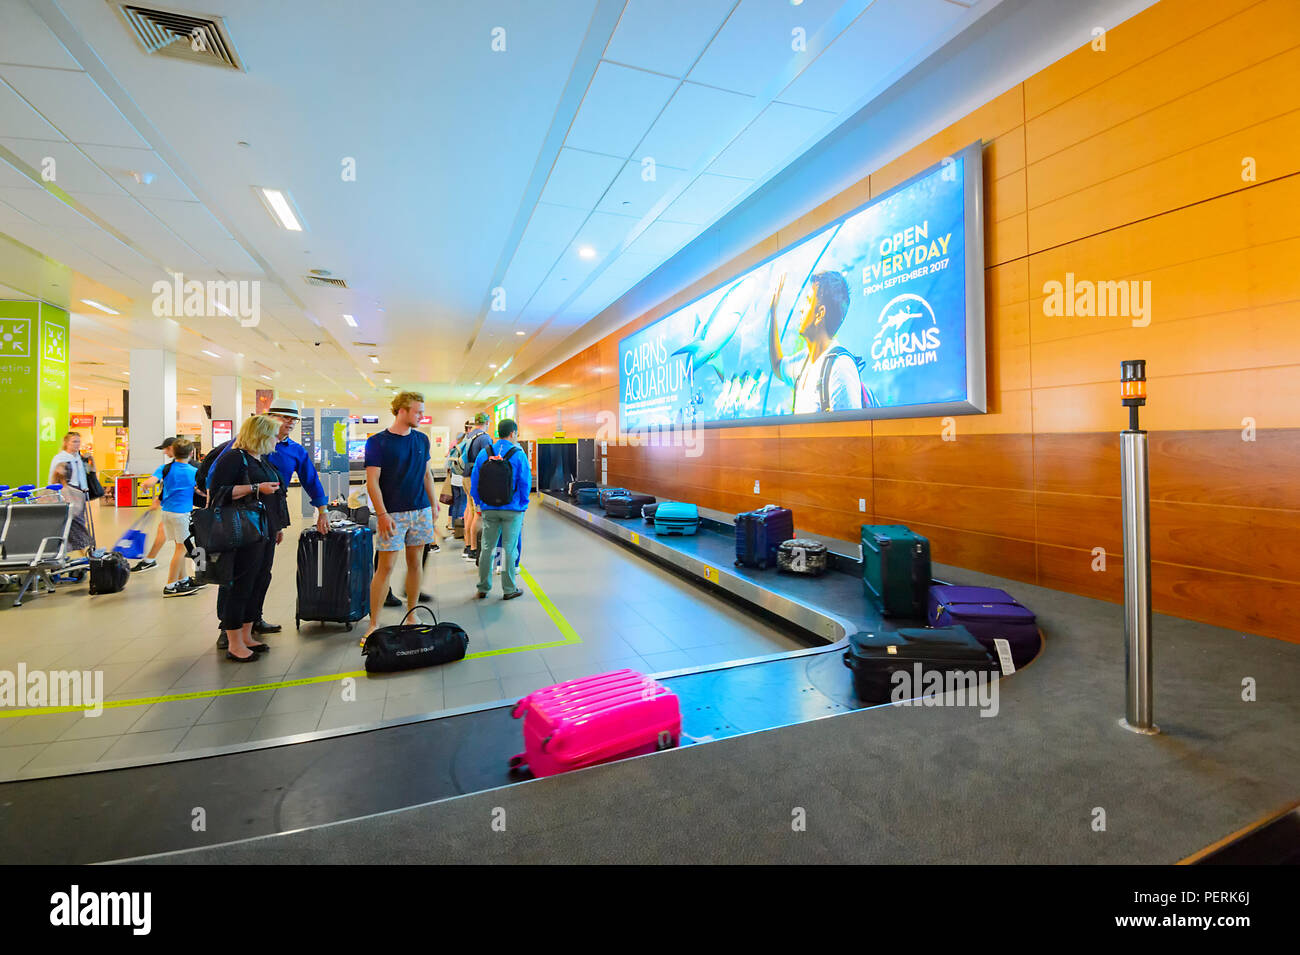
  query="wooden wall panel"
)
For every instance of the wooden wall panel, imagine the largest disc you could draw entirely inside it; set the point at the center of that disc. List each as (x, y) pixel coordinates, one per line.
(1116, 165)
(1152, 31)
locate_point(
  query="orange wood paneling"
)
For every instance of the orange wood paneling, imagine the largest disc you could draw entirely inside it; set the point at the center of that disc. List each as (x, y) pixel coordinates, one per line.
(1123, 165)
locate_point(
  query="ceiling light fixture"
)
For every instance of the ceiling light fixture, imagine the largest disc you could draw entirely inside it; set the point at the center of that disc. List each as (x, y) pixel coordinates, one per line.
(277, 202)
(212, 353)
(350, 320)
(267, 377)
(103, 308)
(587, 252)
(375, 359)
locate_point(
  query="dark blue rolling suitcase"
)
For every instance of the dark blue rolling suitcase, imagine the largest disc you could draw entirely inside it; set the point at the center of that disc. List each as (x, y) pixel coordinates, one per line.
(334, 573)
(588, 495)
(760, 533)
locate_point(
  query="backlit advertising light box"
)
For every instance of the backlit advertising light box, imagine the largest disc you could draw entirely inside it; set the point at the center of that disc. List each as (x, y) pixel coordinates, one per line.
(879, 314)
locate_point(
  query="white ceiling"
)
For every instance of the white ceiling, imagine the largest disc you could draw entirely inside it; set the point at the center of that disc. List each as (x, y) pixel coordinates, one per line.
(475, 168)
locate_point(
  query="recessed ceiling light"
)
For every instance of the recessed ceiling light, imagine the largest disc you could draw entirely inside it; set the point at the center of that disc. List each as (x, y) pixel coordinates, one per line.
(299, 391)
(212, 353)
(267, 377)
(191, 389)
(375, 359)
(350, 320)
(221, 308)
(103, 308)
(281, 209)
(388, 381)
(520, 333)
(81, 387)
(587, 252)
(478, 382)
(490, 365)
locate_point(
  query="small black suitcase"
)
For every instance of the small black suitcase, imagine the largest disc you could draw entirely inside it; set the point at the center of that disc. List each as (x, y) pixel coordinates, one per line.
(627, 505)
(334, 573)
(648, 512)
(874, 658)
(801, 556)
(109, 573)
(575, 486)
(605, 493)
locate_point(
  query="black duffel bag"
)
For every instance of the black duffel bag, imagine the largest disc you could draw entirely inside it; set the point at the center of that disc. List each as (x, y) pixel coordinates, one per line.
(409, 646)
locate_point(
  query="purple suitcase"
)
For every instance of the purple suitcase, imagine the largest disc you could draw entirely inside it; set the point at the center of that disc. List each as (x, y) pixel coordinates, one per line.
(989, 614)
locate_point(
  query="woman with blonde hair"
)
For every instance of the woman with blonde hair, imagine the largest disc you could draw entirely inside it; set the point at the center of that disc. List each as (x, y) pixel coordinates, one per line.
(242, 477)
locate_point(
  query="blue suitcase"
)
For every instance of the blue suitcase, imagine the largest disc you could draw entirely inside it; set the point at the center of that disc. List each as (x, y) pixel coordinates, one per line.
(674, 517)
(334, 574)
(588, 495)
(760, 533)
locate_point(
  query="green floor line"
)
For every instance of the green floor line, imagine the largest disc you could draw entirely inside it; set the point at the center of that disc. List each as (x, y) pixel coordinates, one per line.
(570, 637)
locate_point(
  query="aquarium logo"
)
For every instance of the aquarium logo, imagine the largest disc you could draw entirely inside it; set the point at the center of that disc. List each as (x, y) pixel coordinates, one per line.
(901, 341)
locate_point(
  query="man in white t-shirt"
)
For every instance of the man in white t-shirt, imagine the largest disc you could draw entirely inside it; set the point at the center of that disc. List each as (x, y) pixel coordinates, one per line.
(823, 375)
(71, 456)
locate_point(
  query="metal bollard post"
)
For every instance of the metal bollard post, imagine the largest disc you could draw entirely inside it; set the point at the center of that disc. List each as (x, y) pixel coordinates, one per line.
(1135, 494)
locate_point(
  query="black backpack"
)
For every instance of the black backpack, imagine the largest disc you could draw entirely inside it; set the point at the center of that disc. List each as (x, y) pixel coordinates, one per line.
(496, 480)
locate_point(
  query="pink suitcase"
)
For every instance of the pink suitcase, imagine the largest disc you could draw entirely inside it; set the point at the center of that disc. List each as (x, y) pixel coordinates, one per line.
(597, 719)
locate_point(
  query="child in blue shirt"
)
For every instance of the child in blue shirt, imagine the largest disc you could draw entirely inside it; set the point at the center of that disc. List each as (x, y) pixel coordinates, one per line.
(175, 498)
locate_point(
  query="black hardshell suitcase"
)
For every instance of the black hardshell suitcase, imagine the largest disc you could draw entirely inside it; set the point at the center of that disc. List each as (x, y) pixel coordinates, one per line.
(874, 658)
(628, 505)
(575, 486)
(109, 573)
(759, 533)
(605, 493)
(807, 558)
(334, 573)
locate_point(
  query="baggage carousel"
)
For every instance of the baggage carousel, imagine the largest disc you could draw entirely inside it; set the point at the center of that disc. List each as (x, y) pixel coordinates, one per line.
(316, 779)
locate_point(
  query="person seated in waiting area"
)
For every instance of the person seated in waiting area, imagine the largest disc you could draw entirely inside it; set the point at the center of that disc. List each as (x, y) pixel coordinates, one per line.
(79, 536)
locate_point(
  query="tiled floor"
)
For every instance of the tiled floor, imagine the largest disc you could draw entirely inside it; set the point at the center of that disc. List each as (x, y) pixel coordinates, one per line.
(626, 611)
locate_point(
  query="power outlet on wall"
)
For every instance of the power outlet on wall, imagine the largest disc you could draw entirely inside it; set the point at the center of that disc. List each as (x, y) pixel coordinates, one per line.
(862, 504)
(755, 487)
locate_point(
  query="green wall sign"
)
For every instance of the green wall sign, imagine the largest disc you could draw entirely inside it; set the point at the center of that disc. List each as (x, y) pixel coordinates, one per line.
(34, 372)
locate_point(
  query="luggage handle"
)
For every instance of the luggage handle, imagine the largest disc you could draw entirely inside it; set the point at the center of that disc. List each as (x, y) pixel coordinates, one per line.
(432, 613)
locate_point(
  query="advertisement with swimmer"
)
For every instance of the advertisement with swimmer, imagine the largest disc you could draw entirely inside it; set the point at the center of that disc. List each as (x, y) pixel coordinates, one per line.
(879, 314)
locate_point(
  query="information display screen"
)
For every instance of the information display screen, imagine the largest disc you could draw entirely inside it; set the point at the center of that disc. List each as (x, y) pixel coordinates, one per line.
(879, 314)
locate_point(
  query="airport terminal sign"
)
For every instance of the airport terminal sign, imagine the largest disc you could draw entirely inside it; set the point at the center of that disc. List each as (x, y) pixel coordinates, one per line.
(879, 314)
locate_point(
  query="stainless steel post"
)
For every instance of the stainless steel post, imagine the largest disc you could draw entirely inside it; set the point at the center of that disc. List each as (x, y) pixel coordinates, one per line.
(1135, 494)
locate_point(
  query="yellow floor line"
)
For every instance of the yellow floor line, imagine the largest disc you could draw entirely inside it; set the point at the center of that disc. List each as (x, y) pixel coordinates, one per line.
(566, 629)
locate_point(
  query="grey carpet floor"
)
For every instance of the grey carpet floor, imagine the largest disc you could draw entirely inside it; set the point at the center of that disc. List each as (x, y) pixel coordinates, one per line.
(907, 784)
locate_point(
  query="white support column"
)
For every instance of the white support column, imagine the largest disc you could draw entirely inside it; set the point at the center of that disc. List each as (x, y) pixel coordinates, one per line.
(227, 400)
(153, 406)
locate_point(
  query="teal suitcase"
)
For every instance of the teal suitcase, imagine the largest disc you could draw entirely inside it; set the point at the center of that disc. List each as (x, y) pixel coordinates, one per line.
(896, 570)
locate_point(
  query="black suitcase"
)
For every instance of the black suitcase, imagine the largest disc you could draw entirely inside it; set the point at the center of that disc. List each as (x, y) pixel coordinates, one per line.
(109, 573)
(334, 573)
(605, 493)
(627, 505)
(575, 486)
(874, 658)
(648, 512)
(759, 533)
(800, 556)
(408, 646)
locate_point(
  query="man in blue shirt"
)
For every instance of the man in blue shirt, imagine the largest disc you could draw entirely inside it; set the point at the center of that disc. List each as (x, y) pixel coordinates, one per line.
(400, 486)
(504, 506)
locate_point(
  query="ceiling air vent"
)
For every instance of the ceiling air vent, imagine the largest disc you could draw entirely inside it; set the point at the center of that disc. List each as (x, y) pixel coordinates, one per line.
(183, 36)
(328, 283)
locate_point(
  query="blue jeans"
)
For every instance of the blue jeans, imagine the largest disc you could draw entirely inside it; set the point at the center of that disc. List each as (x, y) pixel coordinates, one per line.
(506, 526)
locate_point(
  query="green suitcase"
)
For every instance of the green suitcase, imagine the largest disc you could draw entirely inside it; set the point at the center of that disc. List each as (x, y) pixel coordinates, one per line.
(896, 570)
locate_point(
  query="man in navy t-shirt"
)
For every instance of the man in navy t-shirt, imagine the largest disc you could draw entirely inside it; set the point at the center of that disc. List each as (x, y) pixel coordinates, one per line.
(400, 486)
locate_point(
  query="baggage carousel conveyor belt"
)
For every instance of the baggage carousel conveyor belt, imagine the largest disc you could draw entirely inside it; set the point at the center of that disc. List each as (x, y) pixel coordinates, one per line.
(316, 779)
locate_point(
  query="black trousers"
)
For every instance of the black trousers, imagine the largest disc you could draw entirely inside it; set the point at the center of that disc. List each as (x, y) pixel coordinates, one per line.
(240, 601)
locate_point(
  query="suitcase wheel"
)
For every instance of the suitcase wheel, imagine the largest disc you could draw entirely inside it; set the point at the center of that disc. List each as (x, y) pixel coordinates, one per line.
(739, 563)
(297, 624)
(349, 628)
(516, 761)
